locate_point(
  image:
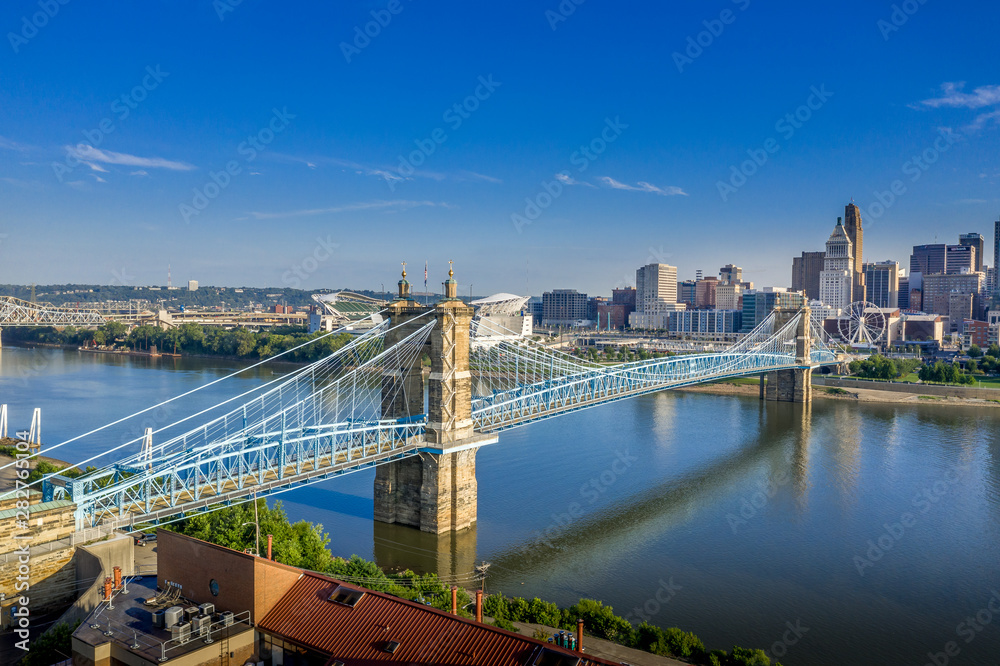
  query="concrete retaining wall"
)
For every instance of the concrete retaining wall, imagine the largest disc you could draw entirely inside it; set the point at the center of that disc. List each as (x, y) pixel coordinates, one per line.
(896, 387)
(93, 564)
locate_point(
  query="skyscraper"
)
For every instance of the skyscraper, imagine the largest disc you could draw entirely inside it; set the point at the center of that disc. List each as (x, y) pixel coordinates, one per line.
(805, 273)
(961, 259)
(977, 242)
(730, 273)
(837, 281)
(852, 225)
(928, 259)
(882, 284)
(996, 257)
(655, 286)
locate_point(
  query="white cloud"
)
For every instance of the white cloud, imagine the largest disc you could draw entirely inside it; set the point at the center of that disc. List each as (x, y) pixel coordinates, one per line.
(472, 175)
(567, 179)
(139, 172)
(643, 186)
(9, 144)
(89, 154)
(952, 96)
(970, 202)
(983, 119)
(348, 208)
(32, 185)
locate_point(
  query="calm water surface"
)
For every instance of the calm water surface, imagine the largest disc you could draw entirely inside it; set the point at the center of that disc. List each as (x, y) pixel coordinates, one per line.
(874, 529)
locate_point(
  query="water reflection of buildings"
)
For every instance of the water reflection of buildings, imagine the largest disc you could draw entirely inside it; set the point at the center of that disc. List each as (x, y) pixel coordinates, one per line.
(847, 420)
(800, 457)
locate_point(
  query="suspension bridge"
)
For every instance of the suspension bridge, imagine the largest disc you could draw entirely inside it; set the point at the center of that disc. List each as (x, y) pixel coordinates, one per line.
(365, 406)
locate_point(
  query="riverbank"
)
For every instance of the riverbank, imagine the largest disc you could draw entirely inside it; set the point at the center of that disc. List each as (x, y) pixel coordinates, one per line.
(875, 394)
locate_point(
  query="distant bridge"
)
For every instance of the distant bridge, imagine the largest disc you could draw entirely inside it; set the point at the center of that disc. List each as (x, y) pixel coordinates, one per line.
(15, 312)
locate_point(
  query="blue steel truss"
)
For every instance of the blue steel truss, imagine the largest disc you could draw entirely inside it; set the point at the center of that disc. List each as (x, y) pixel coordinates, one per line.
(325, 419)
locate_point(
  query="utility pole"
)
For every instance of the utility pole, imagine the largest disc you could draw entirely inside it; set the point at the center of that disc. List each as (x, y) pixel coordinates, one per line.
(481, 570)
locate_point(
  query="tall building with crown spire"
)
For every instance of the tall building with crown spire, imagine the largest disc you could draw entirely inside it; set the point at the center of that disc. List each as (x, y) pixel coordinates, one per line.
(852, 225)
(836, 281)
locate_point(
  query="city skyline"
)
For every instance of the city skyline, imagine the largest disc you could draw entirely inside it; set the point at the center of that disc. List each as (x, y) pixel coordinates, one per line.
(236, 164)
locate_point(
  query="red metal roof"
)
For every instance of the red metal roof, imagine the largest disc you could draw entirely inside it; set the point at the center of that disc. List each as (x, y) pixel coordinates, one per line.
(357, 636)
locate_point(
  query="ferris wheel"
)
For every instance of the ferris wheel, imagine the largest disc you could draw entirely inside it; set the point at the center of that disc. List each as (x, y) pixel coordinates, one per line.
(862, 324)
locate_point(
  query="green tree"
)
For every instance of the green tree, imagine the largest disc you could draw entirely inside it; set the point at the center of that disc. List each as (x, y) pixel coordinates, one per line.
(51, 647)
(974, 351)
(994, 350)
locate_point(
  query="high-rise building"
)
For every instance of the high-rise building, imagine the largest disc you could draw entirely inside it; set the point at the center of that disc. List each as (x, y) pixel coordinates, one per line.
(938, 288)
(977, 242)
(836, 282)
(728, 296)
(996, 257)
(903, 299)
(852, 225)
(655, 286)
(805, 273)
(731, 273)
(758, 304)
(960, 259)
(882, 284)
(705, 293)
(563, 307)
(928, 259)
(192, 285)
(687, 291)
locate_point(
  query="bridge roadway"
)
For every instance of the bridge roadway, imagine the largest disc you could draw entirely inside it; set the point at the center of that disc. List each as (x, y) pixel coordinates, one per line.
(526, 404)
(287, 443)
(192, 480)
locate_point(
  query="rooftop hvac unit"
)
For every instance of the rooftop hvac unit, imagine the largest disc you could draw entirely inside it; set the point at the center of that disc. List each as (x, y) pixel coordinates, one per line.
(226, 617)
(158, 619)
(181, 632)
(172, 616)
(190, 613)
(206, 609)
(200, 625)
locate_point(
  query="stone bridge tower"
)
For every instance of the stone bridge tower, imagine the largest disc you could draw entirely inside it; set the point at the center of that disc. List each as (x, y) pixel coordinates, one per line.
(435, 491)
(794, 385)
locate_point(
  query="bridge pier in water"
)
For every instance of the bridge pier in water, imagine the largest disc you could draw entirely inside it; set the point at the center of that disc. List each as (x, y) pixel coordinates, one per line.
(435, 491)
(795, 384)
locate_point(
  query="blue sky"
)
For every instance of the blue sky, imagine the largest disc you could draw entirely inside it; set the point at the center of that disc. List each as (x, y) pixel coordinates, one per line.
(588, 139)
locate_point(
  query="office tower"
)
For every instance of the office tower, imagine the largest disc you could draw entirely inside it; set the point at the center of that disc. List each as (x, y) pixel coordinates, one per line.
(882, 284)
(728, 295)
(960, 259)
(836, 282)
(939, 287)
(705, 293)
(927, 259)
(730, 273)
(977, 242)
(996, 257)
(686, 292)
(852, 225)
(805, 273)
(655, 286)
(563, 307)
(758, 304)
(903, 299)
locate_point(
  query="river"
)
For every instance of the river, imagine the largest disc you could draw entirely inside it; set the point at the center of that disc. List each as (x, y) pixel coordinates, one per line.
(834, 534)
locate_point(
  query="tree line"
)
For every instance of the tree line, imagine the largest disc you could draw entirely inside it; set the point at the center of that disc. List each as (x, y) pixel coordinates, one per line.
(191, 339)
(304, 545)
(877, 366)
